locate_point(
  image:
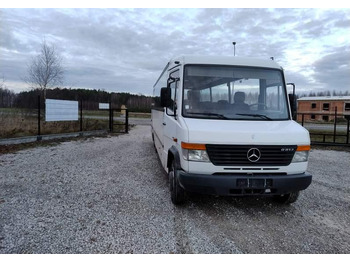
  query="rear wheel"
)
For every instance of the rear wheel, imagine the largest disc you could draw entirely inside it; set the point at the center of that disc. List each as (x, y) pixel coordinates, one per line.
(176, 191)
(287, 198)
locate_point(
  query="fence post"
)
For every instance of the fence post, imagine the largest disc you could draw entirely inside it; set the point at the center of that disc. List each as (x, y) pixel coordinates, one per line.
(126, 120)
(38, 138)
(335, 124)
(110, 115)
(302, 119)
(348, 130)
(81, 116)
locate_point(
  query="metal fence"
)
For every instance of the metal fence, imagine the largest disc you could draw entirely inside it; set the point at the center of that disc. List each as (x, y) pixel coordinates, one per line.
(327, 128)
(21, 122)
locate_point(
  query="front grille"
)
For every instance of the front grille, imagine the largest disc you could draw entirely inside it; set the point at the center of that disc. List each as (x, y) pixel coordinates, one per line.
(236, 155)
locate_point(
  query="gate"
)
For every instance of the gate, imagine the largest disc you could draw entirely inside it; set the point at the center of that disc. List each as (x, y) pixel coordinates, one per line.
(115, 121)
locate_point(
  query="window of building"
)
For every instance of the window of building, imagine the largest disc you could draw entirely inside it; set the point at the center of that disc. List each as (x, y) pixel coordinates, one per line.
(325, 118)
(326, 106)
(347, 106)
(313, 117)
(313, 105)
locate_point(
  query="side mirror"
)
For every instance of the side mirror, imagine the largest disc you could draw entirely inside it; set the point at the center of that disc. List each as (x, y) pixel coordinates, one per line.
(165, 97)
(292, 103)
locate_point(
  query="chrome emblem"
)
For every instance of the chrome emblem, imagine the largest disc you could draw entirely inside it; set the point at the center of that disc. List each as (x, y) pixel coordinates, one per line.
(253, 155)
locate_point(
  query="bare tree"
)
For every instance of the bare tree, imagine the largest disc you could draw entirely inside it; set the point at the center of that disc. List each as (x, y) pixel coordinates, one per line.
(45, 70)
(2, 82)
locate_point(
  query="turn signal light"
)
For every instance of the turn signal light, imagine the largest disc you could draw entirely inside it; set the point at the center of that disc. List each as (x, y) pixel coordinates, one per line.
(304, 148)
(193, 146)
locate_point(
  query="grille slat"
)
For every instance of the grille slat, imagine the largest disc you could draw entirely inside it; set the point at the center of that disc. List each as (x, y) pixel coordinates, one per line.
(232, 155)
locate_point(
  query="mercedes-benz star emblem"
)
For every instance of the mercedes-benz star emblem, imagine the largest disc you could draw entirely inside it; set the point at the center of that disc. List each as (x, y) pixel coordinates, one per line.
(253, 155)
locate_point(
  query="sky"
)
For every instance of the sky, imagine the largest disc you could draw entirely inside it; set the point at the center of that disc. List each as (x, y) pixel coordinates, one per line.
(125, 50)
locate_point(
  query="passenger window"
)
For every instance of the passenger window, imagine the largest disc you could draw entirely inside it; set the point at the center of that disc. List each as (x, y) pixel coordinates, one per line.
(204, 95)
(173, 86)
(173, 97)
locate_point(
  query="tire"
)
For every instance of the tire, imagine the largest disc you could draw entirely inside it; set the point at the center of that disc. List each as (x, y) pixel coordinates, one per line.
(177, 193)
(287, 198)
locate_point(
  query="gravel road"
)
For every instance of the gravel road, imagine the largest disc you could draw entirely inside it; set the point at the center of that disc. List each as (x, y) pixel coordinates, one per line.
(110, 195)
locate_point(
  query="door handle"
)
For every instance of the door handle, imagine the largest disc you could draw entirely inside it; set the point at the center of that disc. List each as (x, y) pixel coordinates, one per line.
(164, 124)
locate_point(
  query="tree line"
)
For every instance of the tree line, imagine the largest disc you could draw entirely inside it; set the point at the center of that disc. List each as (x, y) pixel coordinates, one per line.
(7, 97)
(90, 98)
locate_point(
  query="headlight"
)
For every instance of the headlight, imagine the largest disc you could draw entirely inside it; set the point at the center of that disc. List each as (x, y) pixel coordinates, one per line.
(194, 152)
(195, 155)
(302, 154)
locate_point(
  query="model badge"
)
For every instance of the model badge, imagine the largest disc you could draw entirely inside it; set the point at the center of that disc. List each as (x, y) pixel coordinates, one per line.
(253, 155)
(287, 149)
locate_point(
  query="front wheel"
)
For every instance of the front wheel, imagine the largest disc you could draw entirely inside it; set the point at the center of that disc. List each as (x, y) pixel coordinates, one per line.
(287, 198)
(176, 191)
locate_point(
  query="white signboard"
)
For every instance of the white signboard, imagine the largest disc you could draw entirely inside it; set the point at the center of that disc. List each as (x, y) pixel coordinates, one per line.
(103, 106)
(61, 110)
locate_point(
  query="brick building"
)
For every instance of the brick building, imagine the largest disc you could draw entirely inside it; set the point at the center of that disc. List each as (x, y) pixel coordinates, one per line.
(313, 106)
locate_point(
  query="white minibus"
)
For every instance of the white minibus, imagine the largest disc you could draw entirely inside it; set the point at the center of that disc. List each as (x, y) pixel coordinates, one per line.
(224, 126)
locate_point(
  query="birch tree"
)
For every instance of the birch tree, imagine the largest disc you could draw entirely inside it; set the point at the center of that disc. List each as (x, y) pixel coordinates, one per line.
(45, 69)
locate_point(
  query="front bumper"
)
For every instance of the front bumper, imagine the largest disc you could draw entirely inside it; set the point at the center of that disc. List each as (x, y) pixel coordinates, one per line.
(240, 184)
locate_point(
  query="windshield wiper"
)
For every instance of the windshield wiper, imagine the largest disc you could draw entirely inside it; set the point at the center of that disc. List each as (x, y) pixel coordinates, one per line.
(256, 115)
(208, 114)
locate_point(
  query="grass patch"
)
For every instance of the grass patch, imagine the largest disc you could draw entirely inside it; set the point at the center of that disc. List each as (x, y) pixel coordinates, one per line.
(25, 123)
(115, 114)
(327, 136)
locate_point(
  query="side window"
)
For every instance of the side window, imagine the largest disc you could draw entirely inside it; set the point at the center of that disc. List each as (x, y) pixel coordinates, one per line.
(173, 84)
(173, 97)
(220, 92)
(274, 98)
(204, 95)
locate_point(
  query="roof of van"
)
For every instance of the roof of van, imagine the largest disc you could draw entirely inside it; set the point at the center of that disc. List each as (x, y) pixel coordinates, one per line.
(226, 60)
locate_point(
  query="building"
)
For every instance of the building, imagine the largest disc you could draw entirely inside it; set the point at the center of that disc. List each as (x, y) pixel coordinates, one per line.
(322, 108)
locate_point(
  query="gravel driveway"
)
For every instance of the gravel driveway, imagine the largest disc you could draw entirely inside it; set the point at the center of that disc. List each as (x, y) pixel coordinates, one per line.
(110, 195)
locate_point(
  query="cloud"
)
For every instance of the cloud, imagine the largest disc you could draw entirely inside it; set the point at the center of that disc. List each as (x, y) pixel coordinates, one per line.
(127, 49)
(332, 70)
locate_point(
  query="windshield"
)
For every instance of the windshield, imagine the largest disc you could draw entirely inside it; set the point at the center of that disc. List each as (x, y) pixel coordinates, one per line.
(227, 92)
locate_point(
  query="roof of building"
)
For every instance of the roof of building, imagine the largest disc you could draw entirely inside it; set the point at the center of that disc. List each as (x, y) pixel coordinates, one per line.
(325, 98)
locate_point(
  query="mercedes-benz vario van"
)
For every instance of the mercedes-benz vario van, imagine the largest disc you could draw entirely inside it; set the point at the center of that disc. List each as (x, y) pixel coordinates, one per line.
(223, 126)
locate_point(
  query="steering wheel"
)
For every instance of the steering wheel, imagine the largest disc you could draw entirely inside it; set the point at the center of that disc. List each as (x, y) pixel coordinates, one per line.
(258, 104)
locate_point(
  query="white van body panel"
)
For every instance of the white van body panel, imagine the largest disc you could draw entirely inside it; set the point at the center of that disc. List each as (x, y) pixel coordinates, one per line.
(208, 131)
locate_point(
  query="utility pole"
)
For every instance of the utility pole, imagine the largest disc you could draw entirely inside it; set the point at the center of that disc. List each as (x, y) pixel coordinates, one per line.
(234, 48)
